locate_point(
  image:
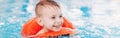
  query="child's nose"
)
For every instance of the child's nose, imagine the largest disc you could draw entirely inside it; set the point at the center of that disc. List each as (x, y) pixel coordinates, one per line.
(58, 21)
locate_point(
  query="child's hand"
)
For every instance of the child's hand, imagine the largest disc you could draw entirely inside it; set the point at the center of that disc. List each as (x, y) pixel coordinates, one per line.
(76, 31)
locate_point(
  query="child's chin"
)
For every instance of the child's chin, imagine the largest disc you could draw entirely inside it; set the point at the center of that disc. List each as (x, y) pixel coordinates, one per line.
(57, 29)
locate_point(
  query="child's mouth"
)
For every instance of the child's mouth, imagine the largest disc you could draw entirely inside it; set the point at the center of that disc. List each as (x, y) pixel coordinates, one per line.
(56, 26)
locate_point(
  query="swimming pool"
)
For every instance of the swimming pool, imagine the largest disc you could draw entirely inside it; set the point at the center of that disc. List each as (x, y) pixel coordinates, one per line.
(93, 18)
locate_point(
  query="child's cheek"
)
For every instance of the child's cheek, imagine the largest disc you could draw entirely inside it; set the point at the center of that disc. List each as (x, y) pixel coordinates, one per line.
(50, 22)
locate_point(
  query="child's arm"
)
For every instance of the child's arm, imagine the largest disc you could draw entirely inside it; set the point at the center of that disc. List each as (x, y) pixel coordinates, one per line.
(69, 25)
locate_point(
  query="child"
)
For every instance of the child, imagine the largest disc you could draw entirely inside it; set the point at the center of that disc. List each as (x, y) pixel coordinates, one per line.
(48, 23)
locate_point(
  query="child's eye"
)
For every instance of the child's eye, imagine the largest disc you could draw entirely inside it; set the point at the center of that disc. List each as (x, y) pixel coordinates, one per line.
(53, 17)
(60, 16)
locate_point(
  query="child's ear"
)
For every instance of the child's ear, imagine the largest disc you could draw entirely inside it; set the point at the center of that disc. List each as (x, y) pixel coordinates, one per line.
(39, 21)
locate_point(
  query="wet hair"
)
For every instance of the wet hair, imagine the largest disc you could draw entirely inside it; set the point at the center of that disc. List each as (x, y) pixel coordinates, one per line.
(43, 3)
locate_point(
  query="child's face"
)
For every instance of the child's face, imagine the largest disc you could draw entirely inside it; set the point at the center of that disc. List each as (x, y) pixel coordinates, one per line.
(51, 18)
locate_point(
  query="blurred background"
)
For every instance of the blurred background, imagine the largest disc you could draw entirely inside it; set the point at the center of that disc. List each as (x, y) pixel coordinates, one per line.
(93, 18)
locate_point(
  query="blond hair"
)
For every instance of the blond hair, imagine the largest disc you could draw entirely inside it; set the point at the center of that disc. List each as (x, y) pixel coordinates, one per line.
(43, 3)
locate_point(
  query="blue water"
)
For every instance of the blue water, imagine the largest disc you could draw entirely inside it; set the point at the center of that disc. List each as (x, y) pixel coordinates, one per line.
(93, 18)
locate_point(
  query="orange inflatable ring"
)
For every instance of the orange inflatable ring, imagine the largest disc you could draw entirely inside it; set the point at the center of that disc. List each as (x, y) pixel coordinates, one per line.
(31, 28)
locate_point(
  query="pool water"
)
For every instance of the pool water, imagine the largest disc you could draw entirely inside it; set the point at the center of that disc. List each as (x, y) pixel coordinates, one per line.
(93, 18)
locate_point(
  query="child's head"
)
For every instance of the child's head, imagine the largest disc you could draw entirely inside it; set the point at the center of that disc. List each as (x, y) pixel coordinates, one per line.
(49, 15)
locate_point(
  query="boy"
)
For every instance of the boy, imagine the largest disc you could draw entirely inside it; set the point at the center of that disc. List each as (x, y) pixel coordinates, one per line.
(48, 23)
